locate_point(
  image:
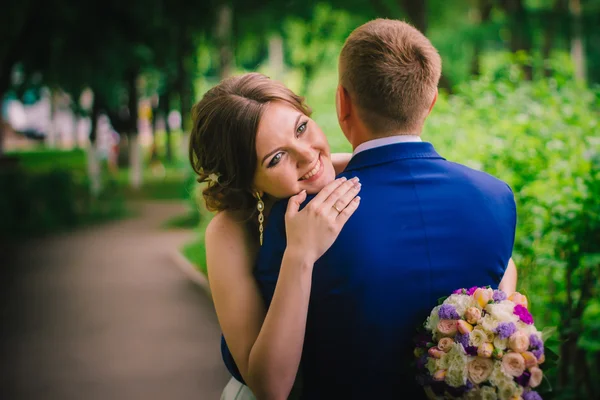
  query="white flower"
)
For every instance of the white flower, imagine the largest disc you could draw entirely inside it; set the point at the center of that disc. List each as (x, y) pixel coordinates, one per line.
(461, 302)
(500, 344)
(498, 378)
(488, 393)
(527, 329)
(509, 390)
(503, 311)
(431, 365)
(214, 178)
(456, 360)
(488, 323)
(477, 337)
(433, 319)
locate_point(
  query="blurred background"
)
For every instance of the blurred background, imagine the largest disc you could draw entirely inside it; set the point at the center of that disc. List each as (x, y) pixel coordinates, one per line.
(98, 205)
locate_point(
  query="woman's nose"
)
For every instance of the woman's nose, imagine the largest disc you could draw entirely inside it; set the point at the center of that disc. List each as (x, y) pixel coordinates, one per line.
(306, 154)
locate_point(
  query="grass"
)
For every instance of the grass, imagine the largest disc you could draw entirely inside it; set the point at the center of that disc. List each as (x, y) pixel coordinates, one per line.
(195, 252)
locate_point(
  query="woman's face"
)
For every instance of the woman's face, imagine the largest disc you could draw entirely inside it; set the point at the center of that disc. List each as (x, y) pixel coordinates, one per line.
(293, 153)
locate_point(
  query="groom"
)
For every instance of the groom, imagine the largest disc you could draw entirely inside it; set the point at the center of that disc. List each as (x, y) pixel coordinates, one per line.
(425, 226)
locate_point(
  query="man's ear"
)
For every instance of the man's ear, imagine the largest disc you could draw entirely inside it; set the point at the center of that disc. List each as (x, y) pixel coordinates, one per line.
(433, 101)
(343, 104)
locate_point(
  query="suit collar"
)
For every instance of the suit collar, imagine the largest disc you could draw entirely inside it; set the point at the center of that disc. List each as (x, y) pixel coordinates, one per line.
(392, 152)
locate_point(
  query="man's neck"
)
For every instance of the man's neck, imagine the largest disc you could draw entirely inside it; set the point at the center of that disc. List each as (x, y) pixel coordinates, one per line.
(367, 137)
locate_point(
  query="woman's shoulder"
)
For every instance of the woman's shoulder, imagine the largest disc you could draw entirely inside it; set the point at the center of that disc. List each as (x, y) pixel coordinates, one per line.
(225, 224)
(226, 230)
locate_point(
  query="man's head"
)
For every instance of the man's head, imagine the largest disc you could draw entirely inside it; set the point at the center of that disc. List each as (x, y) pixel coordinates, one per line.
(389, 72)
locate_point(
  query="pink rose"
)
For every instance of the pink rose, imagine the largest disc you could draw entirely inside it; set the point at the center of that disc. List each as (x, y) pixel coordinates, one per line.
(530, 360)
(464, 327)
(518, 342)
(483, 296)
(541, 359)
(485, 350)
(513, 364)
(445, 344)
(435, 352)
(472, 315)
(518, 298)
(447, 327)
(536, 376)
(479, 369)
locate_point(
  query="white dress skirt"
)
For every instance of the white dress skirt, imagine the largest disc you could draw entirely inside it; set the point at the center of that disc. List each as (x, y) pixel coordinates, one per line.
(235, 390)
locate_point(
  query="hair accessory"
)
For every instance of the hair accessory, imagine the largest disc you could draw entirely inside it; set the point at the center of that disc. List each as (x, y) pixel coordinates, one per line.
(214, 177)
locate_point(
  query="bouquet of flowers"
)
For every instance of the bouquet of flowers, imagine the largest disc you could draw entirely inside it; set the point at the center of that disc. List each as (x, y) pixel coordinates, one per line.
(480, 343)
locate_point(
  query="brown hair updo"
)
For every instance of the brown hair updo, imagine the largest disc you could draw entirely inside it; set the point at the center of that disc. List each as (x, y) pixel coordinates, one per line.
(222, 142)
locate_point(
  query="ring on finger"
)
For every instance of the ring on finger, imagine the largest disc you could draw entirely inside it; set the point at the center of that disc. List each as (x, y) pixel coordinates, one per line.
(336, 208)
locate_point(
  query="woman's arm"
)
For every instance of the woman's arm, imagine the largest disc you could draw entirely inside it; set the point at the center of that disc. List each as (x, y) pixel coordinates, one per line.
(509, 280)
(267, 346)
(340, 161)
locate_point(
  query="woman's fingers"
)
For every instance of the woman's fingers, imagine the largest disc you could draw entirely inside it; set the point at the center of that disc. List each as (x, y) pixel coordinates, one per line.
(346, 198)
(338, 193)
(347, 212)
(295, 202)
(326, 192)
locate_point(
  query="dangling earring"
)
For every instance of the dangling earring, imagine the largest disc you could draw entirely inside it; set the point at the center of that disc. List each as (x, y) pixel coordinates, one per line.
(260, 206)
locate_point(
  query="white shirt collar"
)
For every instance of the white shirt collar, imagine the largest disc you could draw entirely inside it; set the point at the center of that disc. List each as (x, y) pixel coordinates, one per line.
(371, 144)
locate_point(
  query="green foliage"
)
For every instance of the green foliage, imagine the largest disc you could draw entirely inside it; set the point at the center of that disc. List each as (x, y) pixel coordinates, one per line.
(195, 252)
(48, 159)
(47, 200)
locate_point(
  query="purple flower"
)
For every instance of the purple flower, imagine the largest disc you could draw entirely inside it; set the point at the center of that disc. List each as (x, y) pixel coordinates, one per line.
(462, 338)
(535, 341)
(531, 395)
(505, 329)
(536, 345)
(448, 311)
(523, 314)
(459, 291)
(471, 350)
(472, 290)
(498, 296)
(523, 380)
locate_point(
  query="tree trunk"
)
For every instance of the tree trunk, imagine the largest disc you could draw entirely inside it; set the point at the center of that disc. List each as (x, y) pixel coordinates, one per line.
(276, 57)
(224, 34)
(165, 106)
(577, 46)
(519, 24)
(416, 12)
(551, 24)
(481, 16)
(2, 126)
(92, 156)
(135, 159)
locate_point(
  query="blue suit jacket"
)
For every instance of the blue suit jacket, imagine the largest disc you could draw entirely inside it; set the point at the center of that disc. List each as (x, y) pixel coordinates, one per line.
(425, 227)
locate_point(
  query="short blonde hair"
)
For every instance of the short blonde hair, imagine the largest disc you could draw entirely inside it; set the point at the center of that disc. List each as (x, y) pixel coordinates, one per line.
(391, 71)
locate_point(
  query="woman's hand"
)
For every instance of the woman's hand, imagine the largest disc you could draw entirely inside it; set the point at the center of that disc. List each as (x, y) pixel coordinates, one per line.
(313, 230)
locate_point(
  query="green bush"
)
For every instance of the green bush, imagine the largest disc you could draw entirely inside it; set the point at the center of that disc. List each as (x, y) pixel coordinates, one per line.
(541, 138)
(38, 199)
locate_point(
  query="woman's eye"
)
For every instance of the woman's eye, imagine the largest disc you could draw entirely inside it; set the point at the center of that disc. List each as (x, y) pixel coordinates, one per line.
(275, 160)
(302, 128)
